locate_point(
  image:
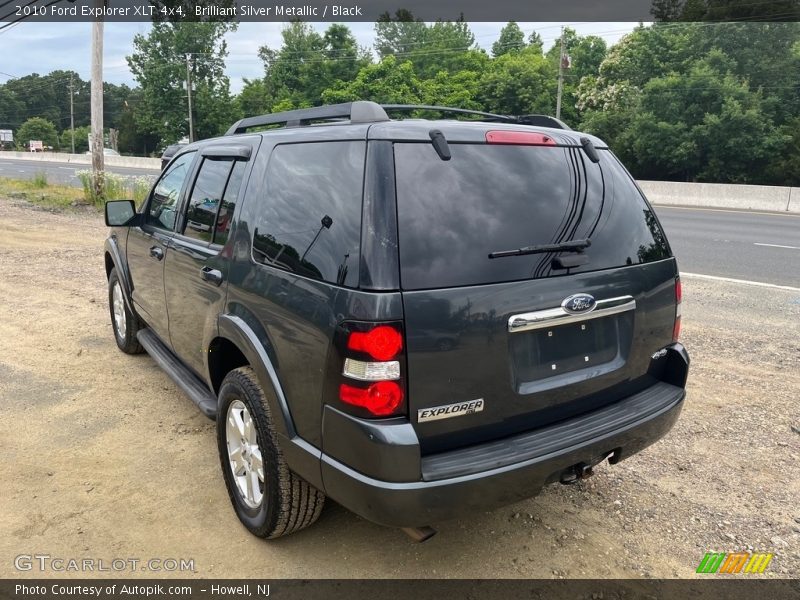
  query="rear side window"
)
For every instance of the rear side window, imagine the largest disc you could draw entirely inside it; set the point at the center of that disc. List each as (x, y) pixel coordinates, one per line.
(205, 199)
(453, 214)
(309, 222)
(225, 215)
(213, 198)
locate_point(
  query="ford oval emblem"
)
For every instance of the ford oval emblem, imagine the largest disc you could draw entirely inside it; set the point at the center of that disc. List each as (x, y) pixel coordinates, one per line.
(579, 303)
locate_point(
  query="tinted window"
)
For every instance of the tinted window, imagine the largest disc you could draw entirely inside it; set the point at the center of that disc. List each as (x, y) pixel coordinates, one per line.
(452, 214)
(164, 202)
(201, 213)
(310, 220)
(225, 215)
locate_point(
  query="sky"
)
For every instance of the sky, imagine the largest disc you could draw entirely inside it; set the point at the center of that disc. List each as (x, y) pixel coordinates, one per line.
(43, 47)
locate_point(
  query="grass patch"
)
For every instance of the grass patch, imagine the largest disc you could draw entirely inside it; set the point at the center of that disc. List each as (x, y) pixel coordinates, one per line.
(117, 187)
(51, 195)
(39, 180)
(40, 192)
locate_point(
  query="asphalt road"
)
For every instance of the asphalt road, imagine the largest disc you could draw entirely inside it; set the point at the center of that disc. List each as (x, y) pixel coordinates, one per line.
(761, 247)
(62, 173)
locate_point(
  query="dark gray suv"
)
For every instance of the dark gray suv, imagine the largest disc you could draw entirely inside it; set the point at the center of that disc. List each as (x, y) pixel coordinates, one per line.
(414, 317)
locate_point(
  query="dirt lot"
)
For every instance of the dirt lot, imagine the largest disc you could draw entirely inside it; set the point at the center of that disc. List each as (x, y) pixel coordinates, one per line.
(103, 457)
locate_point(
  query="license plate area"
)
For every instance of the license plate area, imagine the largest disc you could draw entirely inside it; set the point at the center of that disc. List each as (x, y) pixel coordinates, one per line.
(553, 351)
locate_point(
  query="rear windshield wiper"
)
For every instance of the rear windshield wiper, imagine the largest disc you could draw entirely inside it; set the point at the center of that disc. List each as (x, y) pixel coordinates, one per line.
(571, 246)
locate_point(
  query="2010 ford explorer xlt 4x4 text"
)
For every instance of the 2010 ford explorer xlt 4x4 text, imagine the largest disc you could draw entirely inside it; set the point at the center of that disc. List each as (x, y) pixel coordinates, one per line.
(414, 317)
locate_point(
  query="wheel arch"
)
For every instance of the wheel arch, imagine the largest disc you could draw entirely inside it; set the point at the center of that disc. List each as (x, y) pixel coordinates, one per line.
(113, 260)
(237, 342)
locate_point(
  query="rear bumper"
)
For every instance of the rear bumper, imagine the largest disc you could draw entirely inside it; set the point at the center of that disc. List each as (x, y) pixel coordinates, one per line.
(500, 473)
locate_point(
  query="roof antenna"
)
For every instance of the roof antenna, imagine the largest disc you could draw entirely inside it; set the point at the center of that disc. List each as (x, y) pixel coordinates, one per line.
(440, 144)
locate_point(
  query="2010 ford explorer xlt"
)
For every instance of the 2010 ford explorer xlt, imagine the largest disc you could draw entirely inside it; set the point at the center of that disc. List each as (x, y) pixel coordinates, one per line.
(414, 317)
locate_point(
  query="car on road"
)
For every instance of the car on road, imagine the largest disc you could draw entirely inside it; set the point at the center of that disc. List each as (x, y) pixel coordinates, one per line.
(417, 318)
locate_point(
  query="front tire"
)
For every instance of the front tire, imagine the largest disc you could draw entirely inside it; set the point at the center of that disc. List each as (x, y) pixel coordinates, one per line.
(124, 323)
(268, 498)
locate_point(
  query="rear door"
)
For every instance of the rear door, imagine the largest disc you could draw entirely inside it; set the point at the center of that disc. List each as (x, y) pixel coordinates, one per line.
(147, 244)
(196, 266)
(534, 338)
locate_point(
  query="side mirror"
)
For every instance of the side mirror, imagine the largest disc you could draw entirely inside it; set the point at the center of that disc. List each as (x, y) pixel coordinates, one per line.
(120, 213)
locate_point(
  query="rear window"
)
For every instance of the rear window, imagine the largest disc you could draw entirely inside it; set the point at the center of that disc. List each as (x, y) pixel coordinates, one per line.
(452, 214)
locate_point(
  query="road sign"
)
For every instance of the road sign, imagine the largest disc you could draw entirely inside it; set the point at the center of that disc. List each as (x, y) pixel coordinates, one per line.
(6, 135)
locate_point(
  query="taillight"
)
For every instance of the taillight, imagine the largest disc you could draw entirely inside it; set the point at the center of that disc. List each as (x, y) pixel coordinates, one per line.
(370, 364)
(382, 399)
(676, 329)
(522, 138)
(381, 343)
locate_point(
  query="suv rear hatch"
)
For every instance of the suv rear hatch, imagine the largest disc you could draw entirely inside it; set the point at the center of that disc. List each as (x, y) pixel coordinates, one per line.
(490, 334)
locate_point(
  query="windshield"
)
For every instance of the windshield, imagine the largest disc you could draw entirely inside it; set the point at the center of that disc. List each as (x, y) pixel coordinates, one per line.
(453, 214)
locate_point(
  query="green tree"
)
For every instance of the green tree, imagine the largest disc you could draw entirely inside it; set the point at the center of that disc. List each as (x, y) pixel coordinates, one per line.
(307, 63)
(37, 128)
(12, 109)
(441, 46)
(46, 96)
(81, 139)
(400, 34)
(254, 99)
(535, 41)
(586, 56)
(386, 82)
(706, 126)
(511, 39)
(700, 102)
(520, 83)
(722, 10)
(158, 64)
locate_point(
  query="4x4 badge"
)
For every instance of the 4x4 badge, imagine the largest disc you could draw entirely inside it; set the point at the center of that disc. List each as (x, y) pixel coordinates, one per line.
(579, 303)
(449, 410)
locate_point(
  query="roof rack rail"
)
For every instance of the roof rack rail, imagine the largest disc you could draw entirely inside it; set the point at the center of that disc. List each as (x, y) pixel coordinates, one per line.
(447, 109)
(543, 121)
(355, 112)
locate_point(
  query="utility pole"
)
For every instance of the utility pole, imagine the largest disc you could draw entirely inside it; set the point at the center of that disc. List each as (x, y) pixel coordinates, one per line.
(189, 96)
(71, 114)
(560, 76)
(97, 105)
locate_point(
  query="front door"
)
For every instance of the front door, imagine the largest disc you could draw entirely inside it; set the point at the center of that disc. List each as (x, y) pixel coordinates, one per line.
(147, 245)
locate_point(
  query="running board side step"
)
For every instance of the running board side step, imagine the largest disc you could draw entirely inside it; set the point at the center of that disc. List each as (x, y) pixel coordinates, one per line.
(183, 377)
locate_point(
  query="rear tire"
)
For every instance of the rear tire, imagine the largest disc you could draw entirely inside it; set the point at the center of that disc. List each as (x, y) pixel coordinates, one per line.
(124, 322)
(268, 498)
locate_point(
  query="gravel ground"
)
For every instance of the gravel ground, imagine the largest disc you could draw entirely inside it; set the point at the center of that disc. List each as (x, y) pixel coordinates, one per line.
(105, 458)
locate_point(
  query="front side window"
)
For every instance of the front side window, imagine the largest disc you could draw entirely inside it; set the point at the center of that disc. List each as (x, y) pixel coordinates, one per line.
(309, 222)
(164, 202)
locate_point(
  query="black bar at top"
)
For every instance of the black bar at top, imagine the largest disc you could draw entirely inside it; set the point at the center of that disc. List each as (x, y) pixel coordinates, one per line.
(371, 10)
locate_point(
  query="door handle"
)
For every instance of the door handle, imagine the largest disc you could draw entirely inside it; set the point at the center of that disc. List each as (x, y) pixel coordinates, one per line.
(211, 275)
(156, 252)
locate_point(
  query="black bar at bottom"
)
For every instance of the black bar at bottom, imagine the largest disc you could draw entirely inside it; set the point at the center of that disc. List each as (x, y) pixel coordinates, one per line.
(728, 587)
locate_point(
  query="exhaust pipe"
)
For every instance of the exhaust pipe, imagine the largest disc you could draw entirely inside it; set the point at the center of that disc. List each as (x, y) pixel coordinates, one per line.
(583, 470)
(576, 473)
(419, 534)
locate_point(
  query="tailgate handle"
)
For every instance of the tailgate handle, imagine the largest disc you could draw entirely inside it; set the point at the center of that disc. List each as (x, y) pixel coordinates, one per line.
(553, 317)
